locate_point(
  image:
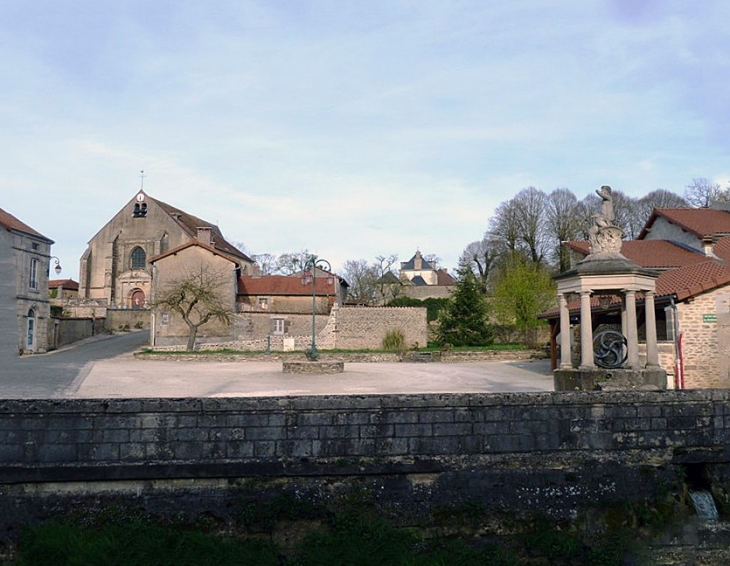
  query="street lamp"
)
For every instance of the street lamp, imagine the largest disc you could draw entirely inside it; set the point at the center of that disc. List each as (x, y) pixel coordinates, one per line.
(312, 264)
(57, 269)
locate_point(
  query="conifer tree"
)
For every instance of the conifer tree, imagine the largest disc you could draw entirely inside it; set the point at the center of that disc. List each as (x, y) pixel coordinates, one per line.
(463, 322)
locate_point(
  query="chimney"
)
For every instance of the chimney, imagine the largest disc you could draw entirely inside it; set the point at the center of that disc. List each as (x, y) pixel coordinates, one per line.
(205, 235)
(418, 261)
(708, 247)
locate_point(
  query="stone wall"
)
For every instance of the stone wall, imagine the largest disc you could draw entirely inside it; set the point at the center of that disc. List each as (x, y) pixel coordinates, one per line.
(518, 454)
(700, 339)
(365, 327)
(9, 345)
(63, 331)
(117, 319)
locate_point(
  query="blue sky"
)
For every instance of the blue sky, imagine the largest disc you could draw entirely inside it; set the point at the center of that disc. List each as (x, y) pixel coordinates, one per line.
(352, 129)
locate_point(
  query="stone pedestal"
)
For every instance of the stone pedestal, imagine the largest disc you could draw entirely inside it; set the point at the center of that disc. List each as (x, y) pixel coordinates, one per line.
(598, 379)
(311, 367)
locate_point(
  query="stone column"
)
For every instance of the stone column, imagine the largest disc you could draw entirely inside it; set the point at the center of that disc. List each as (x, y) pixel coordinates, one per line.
(565, 361)
(632, 332)
(652, 353)
(586, 331)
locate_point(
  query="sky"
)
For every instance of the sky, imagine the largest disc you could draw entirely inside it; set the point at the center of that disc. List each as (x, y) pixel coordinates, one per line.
(351, 128)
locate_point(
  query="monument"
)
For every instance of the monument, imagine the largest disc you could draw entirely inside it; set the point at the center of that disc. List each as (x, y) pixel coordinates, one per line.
(609, 357)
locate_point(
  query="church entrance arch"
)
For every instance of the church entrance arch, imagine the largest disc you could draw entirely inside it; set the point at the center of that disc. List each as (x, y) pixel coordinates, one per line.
(137, 299)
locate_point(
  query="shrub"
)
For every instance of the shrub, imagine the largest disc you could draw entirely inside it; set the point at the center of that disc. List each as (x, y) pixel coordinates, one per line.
(394, 340)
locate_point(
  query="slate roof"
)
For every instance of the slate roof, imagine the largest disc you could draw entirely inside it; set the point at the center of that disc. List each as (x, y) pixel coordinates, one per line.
(10, 223)
(284, 285)
(702, 222)
(410, 265)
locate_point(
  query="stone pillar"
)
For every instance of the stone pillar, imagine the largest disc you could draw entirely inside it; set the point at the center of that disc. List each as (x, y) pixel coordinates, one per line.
(652, 353)
(586, 331)
(632, 331)
(565, 362)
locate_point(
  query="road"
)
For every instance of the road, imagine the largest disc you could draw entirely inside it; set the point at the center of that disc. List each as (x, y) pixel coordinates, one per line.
(105, 367)
(49, 375)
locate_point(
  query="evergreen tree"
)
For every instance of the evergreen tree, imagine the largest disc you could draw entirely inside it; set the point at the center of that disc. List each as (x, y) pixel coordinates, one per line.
(463, 322)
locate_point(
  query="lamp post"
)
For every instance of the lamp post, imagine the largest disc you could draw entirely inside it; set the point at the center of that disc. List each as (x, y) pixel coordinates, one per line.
(312, 264)
(57, 269)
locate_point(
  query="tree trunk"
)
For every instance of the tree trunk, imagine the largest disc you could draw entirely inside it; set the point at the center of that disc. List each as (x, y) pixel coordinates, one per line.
(191, 337)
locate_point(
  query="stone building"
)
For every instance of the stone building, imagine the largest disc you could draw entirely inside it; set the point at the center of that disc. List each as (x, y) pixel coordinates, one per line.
(691, 250)
(423, 279)
(115, 271)
(24, 305)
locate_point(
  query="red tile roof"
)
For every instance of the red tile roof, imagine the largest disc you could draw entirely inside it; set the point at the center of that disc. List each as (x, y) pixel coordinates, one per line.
(69, 284)
(214, 250)
(444, 278)
(702, 222)
(10, 222)
(284, 285)
(654, 254)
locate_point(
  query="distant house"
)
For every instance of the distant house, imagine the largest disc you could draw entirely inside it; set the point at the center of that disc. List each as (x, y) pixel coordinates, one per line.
(691, 250)
(219, 268)
(61, 290)
(291, 293)
(423, 279)
(24, 304)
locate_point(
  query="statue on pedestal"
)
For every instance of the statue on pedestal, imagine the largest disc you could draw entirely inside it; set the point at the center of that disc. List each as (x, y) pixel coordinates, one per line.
(604, 235)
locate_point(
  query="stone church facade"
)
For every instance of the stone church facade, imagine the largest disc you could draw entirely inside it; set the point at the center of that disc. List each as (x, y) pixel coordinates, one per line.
(114, 270)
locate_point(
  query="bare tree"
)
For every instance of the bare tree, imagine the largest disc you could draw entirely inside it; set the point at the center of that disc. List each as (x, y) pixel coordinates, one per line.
(479, 258)
(702, 193)
(361, 277)
(531, 218)
(386, 280)
(292, 262)
(564, 223)
(265, 263)
(643, 207)
(198, 296)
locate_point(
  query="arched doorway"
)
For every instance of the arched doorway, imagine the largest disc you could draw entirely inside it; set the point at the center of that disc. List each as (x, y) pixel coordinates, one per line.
(137, 299)
(30, 331)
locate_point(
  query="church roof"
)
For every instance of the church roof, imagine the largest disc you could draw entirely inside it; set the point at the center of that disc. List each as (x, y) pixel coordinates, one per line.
(701, 222)
(10, 223)
(191, 223)
(69, 284)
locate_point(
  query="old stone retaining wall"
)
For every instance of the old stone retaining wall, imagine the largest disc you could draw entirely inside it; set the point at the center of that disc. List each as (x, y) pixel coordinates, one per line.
(365, 327)
(551, 453)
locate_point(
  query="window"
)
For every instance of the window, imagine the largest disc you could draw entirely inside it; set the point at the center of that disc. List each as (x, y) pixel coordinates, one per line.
(263, 303)
(33, 275)
(139, 258)
(277, 326)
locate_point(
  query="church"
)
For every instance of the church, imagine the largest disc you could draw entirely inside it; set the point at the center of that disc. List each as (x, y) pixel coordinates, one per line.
(114, 270)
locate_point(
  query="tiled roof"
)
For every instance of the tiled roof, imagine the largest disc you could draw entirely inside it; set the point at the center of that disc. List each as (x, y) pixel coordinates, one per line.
(69, 284)
(691, 280)
(445, 278)
(654, 254)
(214, 250)
(702, 222)
(10, 222)
(191, 223)
(285, 285)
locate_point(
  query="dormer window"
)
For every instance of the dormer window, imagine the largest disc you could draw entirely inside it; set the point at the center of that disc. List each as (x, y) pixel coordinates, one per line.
(139, 258)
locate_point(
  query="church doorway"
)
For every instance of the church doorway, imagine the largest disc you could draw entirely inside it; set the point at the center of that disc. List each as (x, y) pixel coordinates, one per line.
(137, 299)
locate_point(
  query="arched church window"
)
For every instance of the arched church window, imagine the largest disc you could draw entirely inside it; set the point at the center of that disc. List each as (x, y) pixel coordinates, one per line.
(139, 258)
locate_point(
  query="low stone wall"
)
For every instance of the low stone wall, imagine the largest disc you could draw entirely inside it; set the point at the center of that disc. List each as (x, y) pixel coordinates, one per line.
(551, 453)
(365, 327)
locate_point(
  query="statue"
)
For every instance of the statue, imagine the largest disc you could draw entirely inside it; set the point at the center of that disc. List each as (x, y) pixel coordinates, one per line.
(607, 215)
(604, 235)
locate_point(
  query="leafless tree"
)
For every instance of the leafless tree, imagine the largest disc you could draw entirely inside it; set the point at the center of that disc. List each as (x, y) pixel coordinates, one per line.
(292, 262)
(564, 222)
(198, 296)
(643, 207)
(361, 277)
(703, 193)
(266, 263)
(479, 257)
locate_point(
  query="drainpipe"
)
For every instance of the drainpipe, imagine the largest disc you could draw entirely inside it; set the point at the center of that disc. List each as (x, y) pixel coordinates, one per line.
(678, 356)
